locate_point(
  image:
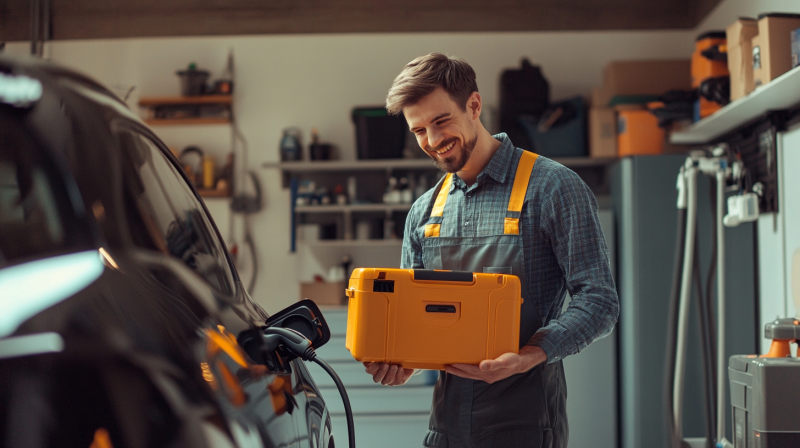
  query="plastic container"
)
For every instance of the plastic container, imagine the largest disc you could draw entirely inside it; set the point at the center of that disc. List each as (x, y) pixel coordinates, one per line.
(709, 64)
(561, 131)
(193, 81)
(424, 319)
(378, 134)
(638, 132)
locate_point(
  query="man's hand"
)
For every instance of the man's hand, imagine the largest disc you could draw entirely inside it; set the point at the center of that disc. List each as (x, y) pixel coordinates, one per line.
(388, 374)
(507, 364)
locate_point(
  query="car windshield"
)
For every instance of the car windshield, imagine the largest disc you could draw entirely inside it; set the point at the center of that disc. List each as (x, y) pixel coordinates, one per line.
(34, 220)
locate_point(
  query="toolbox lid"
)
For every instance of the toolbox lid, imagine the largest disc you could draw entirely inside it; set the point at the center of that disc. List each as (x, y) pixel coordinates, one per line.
(740, 362)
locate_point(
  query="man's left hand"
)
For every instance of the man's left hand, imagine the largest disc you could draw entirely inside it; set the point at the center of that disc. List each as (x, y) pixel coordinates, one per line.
(507, 364)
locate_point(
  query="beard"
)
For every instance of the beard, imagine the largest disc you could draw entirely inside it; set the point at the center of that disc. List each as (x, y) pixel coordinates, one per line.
(454, 163)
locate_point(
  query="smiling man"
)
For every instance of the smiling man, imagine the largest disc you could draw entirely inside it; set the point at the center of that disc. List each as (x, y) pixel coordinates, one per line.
(501, 209)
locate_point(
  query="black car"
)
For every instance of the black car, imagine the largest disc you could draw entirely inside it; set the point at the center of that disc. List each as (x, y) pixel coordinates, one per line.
(122, 319)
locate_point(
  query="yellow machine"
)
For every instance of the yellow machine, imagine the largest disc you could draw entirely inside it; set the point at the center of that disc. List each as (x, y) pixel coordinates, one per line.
(426, 319)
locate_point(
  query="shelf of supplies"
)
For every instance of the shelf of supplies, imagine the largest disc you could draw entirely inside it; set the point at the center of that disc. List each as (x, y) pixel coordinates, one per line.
(354, 243)
(350, 165)
(780, 94)
(184, 100)
(208, 193)
(336, 208)
(185, 121)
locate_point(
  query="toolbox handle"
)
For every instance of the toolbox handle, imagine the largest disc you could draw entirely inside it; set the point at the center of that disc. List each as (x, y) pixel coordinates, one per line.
(440, 308)
(443, 276)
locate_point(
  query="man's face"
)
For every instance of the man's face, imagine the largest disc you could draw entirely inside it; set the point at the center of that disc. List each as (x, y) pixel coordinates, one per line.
(444, 131)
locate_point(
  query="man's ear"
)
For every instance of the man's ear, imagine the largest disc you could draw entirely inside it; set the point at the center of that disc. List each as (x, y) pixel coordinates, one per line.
(474, 105)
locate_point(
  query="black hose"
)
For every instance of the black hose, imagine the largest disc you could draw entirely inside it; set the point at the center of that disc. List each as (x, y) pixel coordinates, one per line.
(311, 355)
(707, 361)
(712, 332)
(672, 328)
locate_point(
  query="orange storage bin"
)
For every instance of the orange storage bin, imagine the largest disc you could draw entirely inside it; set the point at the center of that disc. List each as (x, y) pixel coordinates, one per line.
(638, 132)
(424, 319)
(706, 66)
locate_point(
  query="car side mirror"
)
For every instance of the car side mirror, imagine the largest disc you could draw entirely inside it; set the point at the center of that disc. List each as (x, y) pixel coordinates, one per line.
(305, 318)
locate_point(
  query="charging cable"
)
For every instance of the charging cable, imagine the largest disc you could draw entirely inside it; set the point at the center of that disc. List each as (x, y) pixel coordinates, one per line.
(297, 344)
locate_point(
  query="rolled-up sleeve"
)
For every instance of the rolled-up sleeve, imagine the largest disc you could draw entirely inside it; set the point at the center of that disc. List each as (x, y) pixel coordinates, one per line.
(569, 221)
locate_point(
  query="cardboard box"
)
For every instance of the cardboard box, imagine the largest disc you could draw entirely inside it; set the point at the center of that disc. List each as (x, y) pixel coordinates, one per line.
(739, 37)
(755, 59)
(602, 132)
(772, 48)
(324, 293)
(647, 77)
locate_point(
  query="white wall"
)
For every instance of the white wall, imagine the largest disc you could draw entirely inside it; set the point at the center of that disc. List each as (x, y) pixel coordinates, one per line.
(315, 80)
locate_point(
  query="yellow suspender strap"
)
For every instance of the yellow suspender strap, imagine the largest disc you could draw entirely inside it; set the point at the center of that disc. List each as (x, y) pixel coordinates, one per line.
(432, 230)
(518, 191)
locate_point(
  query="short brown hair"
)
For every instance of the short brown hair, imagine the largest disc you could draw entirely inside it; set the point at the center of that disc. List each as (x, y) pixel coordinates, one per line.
(425, 74)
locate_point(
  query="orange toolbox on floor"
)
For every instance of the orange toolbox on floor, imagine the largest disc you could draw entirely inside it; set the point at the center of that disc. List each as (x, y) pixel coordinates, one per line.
(426, 319)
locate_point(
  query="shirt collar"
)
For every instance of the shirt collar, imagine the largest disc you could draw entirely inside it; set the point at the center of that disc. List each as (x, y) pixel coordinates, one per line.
(498, 166)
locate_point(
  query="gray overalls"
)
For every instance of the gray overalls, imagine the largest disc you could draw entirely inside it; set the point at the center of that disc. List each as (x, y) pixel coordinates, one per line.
(524, 410)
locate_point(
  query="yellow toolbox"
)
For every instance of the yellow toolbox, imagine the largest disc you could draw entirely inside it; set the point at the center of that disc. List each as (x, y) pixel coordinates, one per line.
(426, 319)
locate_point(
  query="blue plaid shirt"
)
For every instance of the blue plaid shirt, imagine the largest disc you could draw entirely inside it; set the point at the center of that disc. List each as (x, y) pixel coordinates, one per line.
(563, 244)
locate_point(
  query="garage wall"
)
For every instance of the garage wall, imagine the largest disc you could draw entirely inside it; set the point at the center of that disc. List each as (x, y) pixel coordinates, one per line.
(313, 81)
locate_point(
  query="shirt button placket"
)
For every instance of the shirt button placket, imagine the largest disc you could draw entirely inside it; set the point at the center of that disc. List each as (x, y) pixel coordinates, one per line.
(468, 215)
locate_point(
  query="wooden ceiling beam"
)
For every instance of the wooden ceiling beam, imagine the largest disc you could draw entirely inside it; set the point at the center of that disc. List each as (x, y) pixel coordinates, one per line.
(92, 19)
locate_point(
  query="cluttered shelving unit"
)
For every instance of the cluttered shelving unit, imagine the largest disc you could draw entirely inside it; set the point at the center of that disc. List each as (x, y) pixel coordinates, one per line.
(201, 110)
(376, 174)
(780, 94)
(363, 201)
(750, 127)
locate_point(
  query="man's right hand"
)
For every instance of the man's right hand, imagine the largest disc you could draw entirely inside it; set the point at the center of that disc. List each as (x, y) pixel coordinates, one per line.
(388, 374)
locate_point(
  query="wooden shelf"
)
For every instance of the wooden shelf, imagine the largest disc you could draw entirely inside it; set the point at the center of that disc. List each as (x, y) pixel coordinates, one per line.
(185, 100)
(299, 169)
(351, 165)
(780, 94)
(388, 164)
(335, 208)
(353, 243)
(185, 121)
(213, 193)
